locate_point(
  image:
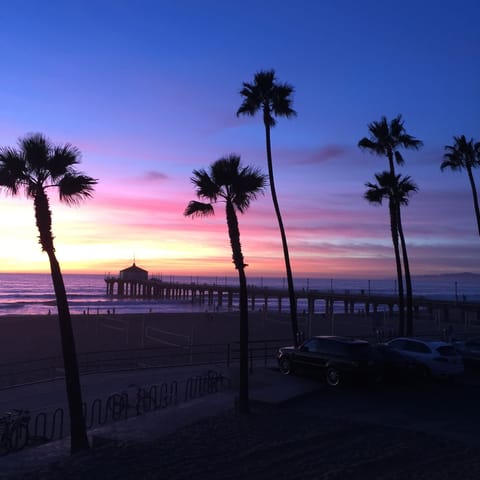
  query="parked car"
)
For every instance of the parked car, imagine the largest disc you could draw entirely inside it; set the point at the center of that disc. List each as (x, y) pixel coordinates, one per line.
(396, 365)
(437, 359)
(469, 350)
(337, 359)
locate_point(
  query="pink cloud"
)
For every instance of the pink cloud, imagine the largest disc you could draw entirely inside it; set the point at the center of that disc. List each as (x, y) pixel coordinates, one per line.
(154, 176)
(323, 155)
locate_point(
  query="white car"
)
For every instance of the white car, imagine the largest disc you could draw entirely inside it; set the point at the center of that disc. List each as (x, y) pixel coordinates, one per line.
(437, 359)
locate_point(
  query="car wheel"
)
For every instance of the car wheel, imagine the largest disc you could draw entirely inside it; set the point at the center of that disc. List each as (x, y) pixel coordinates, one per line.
(285, 365)
(333, 377)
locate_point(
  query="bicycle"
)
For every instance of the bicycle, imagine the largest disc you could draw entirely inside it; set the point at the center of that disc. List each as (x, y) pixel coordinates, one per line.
(14, 431)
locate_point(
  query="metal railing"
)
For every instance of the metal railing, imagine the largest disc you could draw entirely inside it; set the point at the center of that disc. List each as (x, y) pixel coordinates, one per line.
(51, 368)
(260, 353)
(19, 429)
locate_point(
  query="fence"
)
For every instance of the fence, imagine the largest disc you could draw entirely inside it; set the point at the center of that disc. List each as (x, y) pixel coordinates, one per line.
(19, 429)
(260, 353)
(51, 368)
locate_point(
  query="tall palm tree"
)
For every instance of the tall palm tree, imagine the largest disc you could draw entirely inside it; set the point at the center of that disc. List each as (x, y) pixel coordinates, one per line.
(237, 186)
(273, 99)
(35, 167)
(461, 155)
(386, 138)
(397, 190)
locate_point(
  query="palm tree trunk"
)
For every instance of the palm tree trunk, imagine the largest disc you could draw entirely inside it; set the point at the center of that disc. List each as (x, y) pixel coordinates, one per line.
(288, 268)
(408, 278)
(394, 228)
(78, 431)
(475, 196)
(244, 401)
(401, 301)
(234, 234)
(79, 439)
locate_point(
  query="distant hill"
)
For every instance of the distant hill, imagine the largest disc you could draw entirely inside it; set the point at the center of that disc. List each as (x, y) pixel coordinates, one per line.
(450, 276)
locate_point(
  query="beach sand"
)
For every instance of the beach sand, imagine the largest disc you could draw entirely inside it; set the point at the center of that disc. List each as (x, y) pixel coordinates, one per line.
(32, 337)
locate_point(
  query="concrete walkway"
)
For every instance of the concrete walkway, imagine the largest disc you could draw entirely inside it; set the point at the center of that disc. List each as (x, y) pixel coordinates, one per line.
(298, 429)
(267, 386)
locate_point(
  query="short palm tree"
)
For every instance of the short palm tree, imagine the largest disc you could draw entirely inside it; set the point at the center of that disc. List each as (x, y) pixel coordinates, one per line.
(236, 186)
(273, 99)
(397, 190)
(36, 167)
(386, 138)
(461, 155)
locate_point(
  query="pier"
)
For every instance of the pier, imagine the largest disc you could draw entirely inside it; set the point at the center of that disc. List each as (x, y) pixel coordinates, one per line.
(214, 295)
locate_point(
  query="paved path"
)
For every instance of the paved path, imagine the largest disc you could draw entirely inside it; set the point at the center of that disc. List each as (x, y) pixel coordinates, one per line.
(298, 429)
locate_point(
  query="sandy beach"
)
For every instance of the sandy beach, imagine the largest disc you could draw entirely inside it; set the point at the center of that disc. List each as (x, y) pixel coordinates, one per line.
(36, 336)
(32, 337)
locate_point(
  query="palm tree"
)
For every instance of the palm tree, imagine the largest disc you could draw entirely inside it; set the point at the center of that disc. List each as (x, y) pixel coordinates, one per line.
(35, 167)
(464, 155)
(397, 190)
(386, 138)
(274, 100)
(237, 186)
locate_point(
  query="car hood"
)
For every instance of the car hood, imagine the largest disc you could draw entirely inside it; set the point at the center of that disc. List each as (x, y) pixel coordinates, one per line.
(287, 349)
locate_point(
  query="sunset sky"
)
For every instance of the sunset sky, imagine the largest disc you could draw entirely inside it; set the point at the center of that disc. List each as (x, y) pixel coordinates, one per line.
(148, 91)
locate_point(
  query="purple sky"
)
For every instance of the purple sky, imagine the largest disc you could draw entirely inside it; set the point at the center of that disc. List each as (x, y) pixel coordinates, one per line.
(148, 91)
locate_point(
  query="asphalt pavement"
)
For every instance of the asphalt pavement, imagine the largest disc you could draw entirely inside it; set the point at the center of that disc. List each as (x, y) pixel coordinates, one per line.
(266, 384)
(298, 429)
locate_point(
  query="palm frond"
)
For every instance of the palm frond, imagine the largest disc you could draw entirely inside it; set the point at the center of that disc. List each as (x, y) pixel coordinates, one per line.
(252, 100)
(281, 101)
(398, 158)
(385, 137)
(393, 187)
(198, 209)
(205, 187)
(374, 194)
(462, 154)
(368, 144)
(62, 159)
(12, 170)
(36, 149)
(265, 94)
(74, 187)
(224, 171)
(409, 142)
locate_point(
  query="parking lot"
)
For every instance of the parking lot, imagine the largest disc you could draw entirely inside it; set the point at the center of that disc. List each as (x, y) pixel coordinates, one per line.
(448, 410)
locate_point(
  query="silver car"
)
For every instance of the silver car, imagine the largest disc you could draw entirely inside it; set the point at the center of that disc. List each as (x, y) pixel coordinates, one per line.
(469, 350)
(437, 359)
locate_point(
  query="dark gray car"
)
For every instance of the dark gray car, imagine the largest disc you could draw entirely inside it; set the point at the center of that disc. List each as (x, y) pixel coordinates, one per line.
(337, 359)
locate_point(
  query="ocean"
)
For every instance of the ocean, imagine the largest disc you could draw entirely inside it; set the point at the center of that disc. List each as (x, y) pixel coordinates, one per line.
(31, 294)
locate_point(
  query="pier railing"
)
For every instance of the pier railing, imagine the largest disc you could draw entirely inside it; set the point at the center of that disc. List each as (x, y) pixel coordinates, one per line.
(369, 300)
